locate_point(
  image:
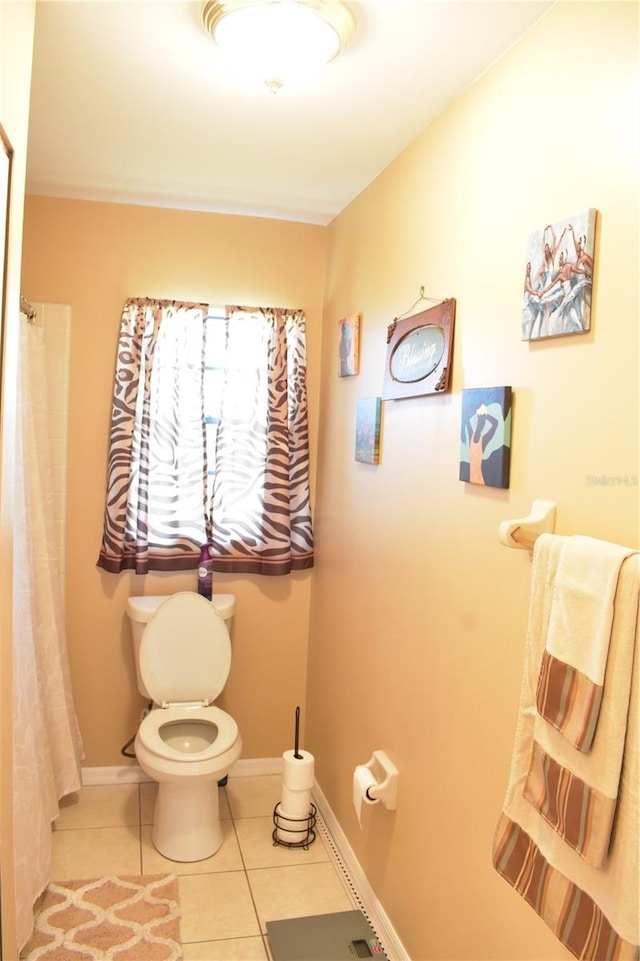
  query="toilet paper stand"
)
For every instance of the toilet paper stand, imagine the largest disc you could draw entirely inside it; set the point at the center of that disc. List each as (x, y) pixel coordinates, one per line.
(386, 774)
(294, 816)
(300, 830)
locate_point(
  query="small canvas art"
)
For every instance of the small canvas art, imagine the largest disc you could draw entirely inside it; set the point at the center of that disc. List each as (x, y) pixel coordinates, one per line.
(485, 452)
(349, 349)
(559, 278)
(368, 416)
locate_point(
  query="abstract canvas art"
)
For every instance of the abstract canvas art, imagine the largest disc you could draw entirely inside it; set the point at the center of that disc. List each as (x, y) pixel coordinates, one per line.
(349, 348)
(368, 413)
(559, 278)
(485, 452)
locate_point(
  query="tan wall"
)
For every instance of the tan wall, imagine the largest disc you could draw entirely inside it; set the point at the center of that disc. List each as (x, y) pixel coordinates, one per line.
(418, 613)
(93, 256)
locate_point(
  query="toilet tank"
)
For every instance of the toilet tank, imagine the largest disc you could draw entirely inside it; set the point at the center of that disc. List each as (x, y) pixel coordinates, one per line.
(140, 610)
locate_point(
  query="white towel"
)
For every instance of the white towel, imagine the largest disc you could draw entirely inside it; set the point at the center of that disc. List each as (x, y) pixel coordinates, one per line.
(591, 910)
(573, 667)
(582, 605)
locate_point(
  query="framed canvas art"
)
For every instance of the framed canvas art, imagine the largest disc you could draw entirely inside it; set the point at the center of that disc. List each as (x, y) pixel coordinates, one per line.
(349, 348)
(419, 353)
(558, 278)
(368, 416)
(485, 451)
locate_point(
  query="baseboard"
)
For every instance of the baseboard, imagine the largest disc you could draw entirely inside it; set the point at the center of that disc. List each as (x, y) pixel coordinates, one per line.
(253, 767)
(355, 879)
(133, 774)
(118, 774)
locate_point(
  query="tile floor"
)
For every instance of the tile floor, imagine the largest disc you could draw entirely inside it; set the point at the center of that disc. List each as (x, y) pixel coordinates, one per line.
(226, 900)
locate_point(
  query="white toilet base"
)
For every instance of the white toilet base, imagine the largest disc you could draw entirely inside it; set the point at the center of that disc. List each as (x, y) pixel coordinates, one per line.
(186, 823)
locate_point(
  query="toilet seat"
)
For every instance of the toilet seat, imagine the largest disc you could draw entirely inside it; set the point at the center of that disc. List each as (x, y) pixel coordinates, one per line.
(151, 726)
(185, 652)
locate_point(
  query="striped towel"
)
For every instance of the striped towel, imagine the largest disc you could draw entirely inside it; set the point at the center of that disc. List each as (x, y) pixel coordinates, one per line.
(593, 910)
(575, 792)
(568, 700)
(575, 918)
(571, 679)
(581, 815)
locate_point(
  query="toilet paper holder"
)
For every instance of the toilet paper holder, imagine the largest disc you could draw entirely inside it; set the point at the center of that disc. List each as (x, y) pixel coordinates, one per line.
(386, 774)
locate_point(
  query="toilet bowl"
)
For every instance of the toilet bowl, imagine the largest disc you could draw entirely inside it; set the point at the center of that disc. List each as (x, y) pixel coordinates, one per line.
(185, 743)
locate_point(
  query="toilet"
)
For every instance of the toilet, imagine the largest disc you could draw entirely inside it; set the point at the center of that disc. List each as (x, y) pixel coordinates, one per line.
(182, 650)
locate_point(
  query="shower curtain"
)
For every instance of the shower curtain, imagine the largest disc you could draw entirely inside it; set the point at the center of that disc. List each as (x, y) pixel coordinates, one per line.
(47, 745)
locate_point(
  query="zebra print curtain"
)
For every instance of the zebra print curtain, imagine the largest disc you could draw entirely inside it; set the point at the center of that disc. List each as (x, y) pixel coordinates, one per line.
(158, 512)
(262, 451)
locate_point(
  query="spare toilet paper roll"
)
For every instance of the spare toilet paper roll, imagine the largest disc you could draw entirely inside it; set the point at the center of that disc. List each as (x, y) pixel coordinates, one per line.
(295, 804)
(297, 772)
(362, 780)
(295, 798)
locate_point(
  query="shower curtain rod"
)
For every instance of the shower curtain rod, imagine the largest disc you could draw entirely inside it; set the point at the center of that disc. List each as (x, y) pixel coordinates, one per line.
(27, 309)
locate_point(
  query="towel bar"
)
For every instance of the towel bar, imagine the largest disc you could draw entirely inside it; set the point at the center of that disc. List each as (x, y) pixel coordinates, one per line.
(524, 531)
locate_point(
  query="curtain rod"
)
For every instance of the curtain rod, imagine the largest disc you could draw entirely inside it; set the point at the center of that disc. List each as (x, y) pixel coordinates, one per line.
(27, 309)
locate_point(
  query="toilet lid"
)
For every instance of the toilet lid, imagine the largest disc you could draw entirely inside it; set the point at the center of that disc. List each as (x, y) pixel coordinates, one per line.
(185, 651)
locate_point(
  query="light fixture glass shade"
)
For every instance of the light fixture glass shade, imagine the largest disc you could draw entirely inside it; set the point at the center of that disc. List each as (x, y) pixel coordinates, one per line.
(278, 39)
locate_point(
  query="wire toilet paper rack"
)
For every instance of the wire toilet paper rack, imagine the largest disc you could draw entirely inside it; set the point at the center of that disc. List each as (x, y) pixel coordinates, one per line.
(304, 827)
(299, 830)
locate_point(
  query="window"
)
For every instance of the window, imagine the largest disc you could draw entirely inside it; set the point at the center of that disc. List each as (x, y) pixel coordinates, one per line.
(209, 440)
(214, 367)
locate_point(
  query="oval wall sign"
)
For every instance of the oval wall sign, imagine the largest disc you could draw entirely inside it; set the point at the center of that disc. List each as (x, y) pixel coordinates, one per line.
(417, 354)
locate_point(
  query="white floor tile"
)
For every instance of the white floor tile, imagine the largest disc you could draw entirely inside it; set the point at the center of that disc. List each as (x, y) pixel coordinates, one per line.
(297, 891)
(258, 850)
(251, 797)
(100, 806)
(95, 852)
(239, 949)
(215, 906)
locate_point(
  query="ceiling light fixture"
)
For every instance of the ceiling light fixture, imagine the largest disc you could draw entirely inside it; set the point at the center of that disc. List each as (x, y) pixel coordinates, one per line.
(278, 40)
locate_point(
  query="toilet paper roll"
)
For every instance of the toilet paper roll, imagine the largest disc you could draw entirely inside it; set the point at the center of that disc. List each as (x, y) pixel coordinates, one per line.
(362, 780)
(295, 796)
(297, 772)
(295, 804)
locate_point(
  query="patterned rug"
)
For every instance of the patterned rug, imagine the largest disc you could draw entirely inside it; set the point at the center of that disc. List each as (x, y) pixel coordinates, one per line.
(116, 918)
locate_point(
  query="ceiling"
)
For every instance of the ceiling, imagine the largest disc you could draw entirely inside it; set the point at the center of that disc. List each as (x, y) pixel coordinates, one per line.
(131, 102)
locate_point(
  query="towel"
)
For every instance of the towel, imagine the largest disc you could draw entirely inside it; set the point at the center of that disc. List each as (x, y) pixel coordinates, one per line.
(575, 792)
(594, 911)
(578, 812)
(570, 684)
